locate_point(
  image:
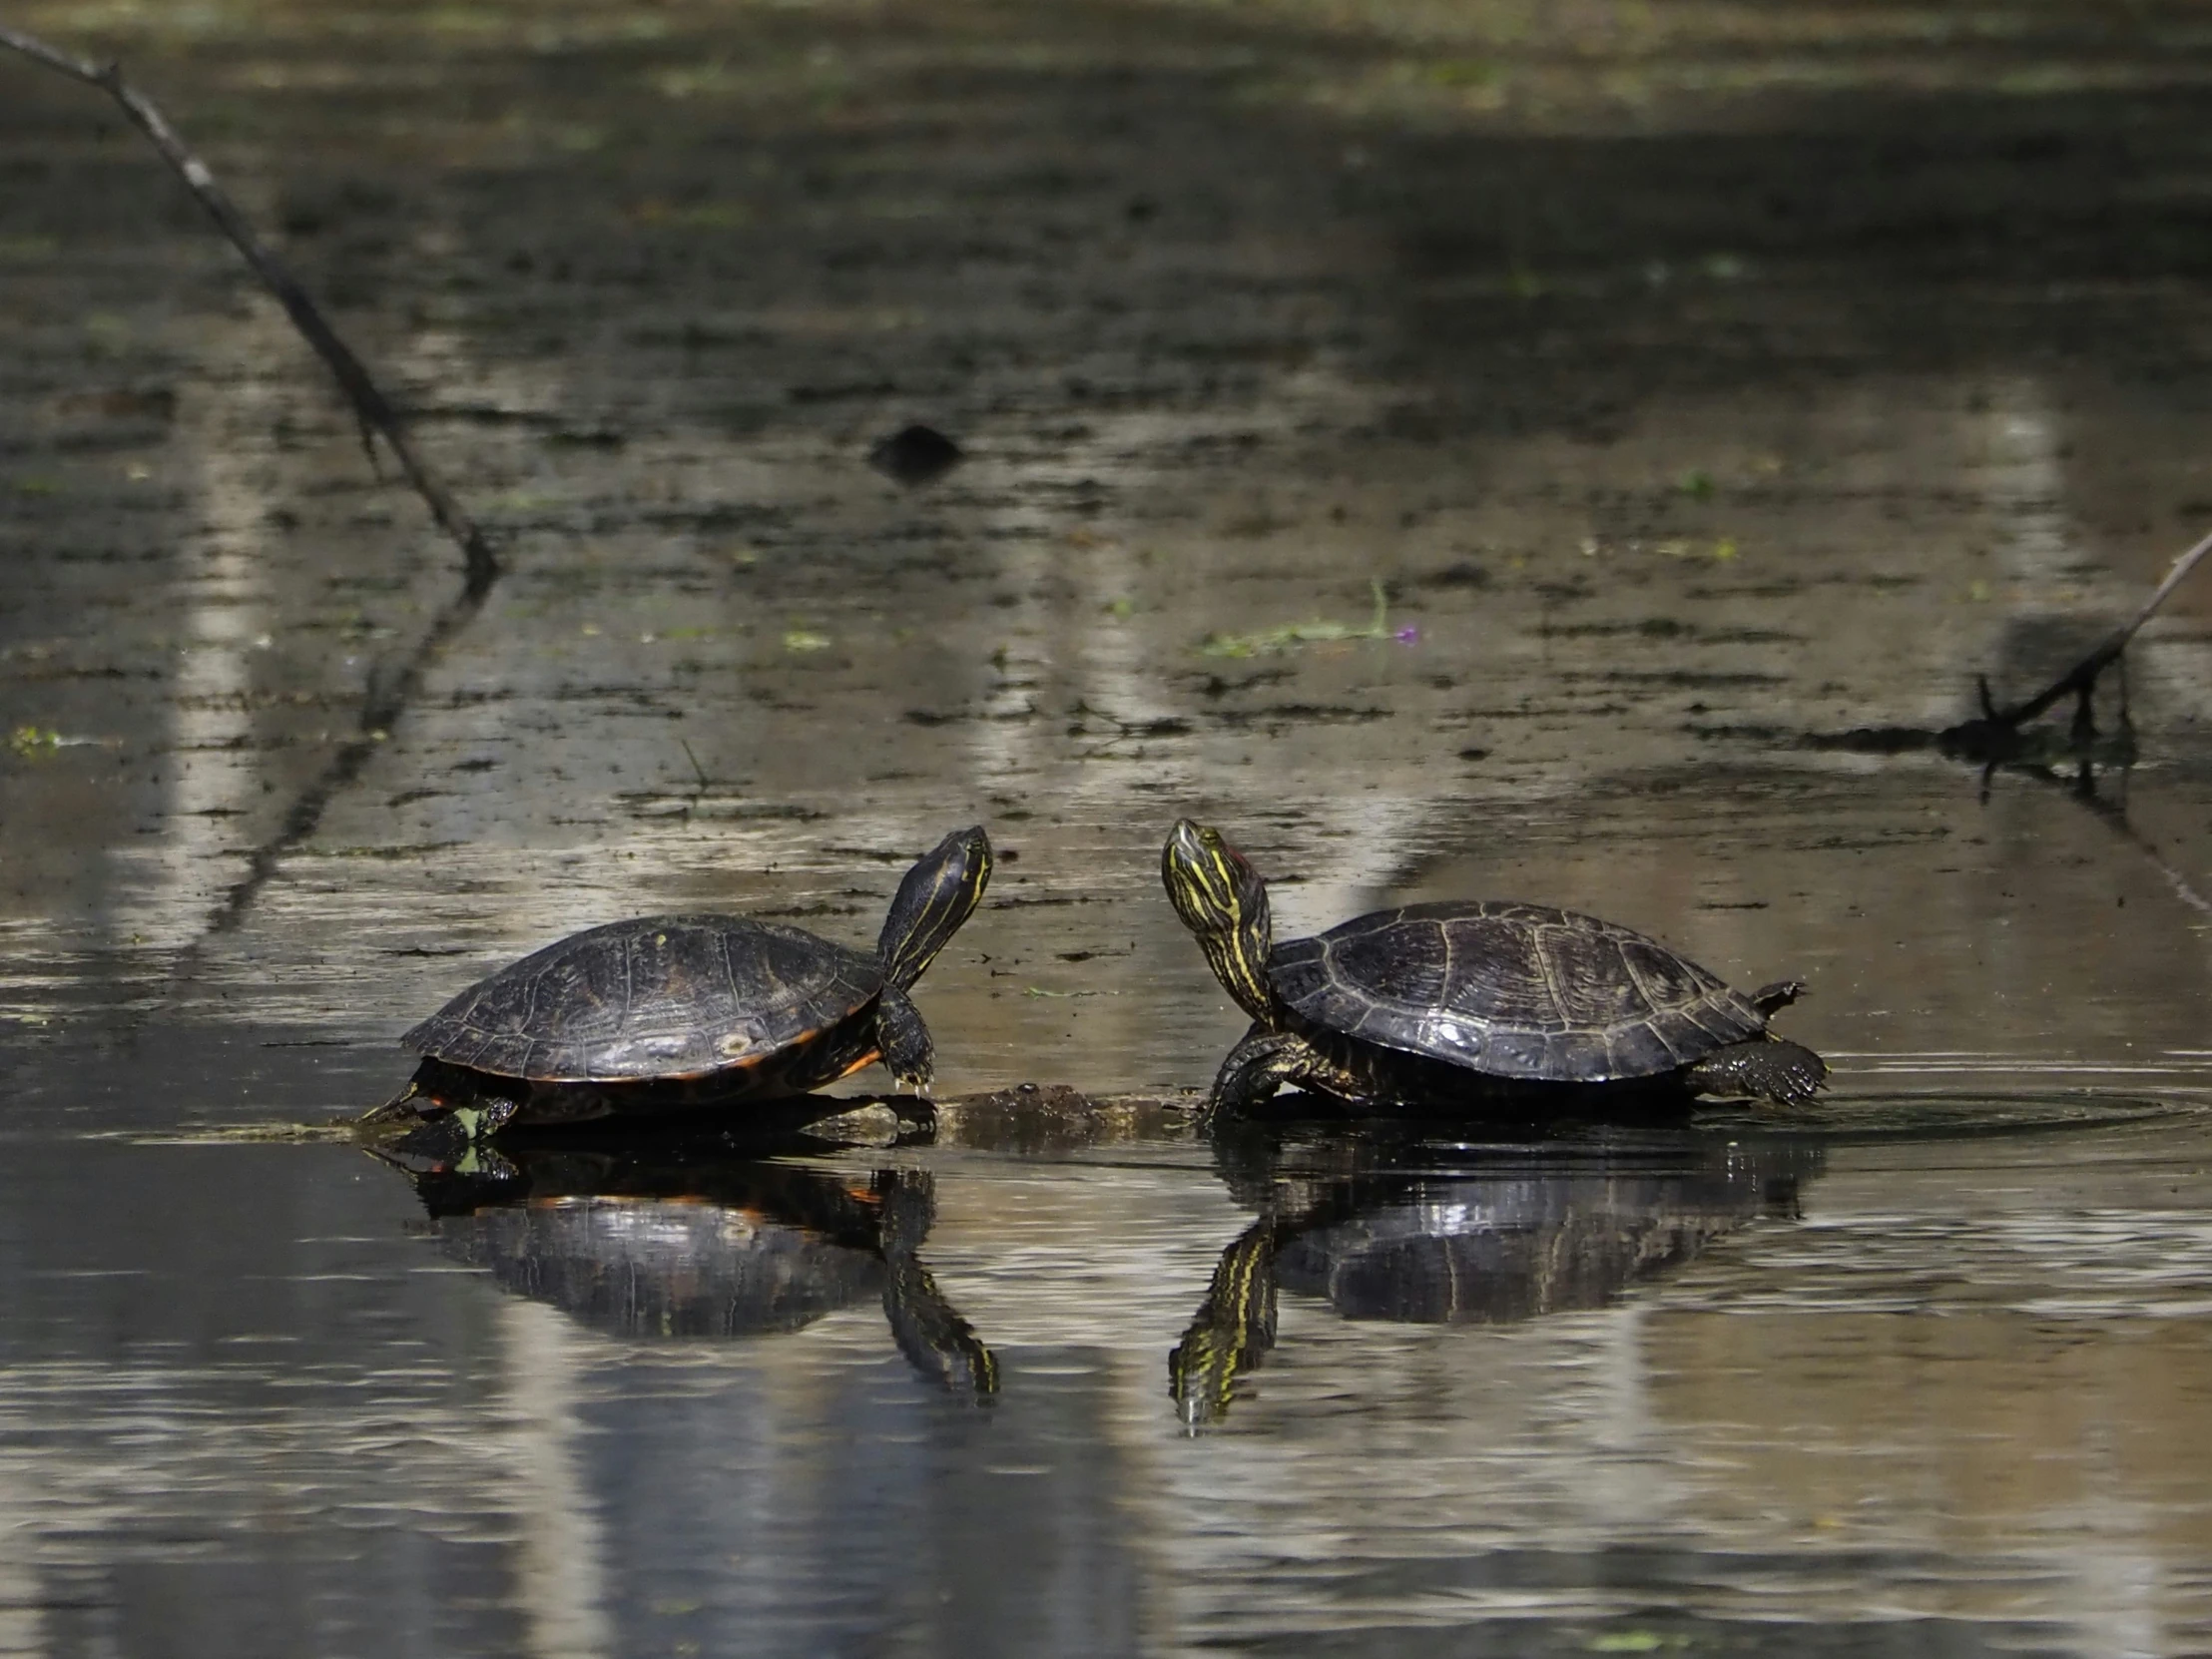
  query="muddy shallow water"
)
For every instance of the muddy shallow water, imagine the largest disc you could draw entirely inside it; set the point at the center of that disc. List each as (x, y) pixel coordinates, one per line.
(1581, 454)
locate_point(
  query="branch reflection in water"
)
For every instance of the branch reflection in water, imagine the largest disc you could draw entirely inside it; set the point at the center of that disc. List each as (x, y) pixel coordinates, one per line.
(1408, 1223)
(697, 1236)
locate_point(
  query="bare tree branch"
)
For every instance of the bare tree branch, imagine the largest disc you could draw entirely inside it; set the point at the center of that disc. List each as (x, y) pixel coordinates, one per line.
(370, 406)
(2082, 678)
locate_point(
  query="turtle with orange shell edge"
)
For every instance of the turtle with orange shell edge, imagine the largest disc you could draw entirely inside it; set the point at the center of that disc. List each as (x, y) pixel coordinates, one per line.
(668, 1012)
(1479, 1001)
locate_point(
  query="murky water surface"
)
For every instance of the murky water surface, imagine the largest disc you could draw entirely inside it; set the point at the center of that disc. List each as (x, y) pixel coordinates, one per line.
(1703, 394)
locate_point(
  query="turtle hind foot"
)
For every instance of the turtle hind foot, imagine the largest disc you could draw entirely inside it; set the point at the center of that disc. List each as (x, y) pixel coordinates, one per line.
(1771, 1069)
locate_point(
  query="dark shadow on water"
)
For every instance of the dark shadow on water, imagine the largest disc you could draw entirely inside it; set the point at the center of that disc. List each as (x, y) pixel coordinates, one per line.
(2088, 765)
(2075, 755)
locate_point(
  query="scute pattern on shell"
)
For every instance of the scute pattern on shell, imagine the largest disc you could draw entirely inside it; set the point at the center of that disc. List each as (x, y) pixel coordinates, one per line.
(656, 997)
(1512, 990)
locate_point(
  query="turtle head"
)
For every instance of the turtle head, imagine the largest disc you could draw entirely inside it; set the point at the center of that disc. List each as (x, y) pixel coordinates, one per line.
(1222, 900)
(938, 895)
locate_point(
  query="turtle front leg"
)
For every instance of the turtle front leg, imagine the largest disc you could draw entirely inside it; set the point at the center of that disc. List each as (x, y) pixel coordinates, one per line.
(1771, 1069)
(1267, 1060)
(908, 1054)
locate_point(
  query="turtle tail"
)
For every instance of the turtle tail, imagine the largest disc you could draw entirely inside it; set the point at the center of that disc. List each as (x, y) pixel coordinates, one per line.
(1772, 999)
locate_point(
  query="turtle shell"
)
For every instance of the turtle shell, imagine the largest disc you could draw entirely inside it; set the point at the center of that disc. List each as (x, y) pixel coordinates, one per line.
(1512, 990)
(656, 997)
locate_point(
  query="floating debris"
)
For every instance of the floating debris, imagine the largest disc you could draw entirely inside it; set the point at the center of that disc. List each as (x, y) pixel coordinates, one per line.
(31, 740)
(1684, 547)
(1267, 640)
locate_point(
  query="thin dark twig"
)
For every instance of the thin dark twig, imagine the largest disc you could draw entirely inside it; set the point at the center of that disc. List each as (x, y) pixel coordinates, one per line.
(698, 771)
(2082, 678)
(370, 406)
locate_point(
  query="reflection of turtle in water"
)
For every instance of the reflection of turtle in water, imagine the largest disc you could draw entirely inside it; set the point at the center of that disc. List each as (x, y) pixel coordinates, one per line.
(1387, 1226)
(687, 1010)
(677, 1238)
(1485, 1000)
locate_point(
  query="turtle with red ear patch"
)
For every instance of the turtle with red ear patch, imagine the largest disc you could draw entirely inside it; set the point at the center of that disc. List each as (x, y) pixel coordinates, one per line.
(674, 1011)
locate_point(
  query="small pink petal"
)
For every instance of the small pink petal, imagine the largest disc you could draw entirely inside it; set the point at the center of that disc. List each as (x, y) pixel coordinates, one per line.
(1408, 636)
